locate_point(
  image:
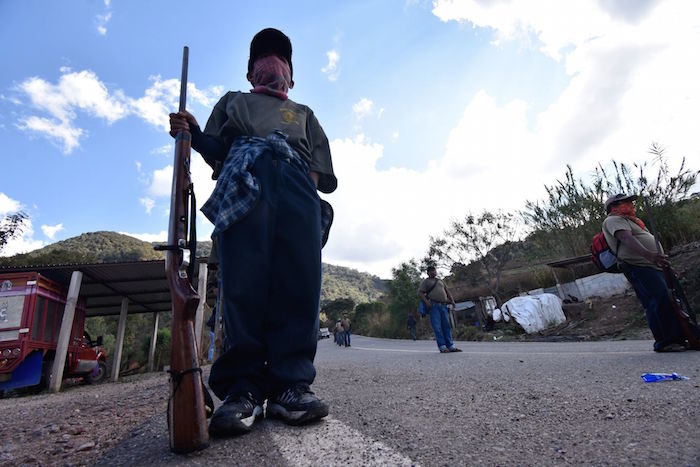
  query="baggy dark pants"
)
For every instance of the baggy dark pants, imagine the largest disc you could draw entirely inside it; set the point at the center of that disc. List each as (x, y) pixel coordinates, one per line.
(650, 286)
(271, 281)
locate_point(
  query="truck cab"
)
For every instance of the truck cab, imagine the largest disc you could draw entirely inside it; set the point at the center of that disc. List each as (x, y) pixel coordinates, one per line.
(31, 311)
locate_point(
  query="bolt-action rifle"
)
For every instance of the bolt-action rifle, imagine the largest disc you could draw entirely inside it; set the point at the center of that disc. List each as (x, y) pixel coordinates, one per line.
(187, 422)
(679, 302)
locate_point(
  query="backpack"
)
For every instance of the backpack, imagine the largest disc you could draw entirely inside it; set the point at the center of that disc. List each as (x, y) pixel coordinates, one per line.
(602, 256)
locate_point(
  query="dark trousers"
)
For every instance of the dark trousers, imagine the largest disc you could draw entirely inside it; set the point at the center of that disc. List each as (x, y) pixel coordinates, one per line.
(271, 281)
(650, 286)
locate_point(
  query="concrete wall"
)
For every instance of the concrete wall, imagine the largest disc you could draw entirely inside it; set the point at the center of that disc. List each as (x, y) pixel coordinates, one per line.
(603, 285)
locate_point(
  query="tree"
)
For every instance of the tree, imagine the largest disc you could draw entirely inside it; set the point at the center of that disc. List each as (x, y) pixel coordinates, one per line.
(403, 288)
(11, 226)
(335, 308)
(574, 210)
(487, 238)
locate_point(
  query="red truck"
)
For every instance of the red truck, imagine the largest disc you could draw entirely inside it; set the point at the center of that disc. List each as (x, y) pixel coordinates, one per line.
(31, 310)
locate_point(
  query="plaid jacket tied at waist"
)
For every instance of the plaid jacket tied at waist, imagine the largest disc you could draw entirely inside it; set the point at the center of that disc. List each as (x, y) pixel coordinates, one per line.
(237, 190)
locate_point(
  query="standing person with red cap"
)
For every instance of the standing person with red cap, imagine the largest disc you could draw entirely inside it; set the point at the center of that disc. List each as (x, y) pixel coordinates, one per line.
(270, 156)
(642, 264)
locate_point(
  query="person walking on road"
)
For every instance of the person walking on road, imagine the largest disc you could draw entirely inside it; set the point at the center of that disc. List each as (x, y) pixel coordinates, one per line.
(338, 333)
(270, 155)
(346, 330)
(411, 325)
(642, 264)
(436, 296)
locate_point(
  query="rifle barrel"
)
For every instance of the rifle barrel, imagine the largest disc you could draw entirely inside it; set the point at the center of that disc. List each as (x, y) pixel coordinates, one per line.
(183, 77)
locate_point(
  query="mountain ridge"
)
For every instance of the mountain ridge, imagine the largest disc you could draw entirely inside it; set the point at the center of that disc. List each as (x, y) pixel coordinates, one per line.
(338, 282)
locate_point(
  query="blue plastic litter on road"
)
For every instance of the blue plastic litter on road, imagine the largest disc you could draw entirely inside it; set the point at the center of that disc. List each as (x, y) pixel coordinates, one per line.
(656, 377)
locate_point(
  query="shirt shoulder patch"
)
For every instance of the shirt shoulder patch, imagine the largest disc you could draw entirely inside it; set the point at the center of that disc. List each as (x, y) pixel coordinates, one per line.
(288, 116)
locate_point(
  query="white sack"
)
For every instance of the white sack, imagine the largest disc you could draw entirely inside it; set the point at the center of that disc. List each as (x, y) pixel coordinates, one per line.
(535, 313)
(496, 315)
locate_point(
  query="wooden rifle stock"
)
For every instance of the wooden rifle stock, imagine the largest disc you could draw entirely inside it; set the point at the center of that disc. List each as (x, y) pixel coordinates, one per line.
(688, 327)
(187, 422)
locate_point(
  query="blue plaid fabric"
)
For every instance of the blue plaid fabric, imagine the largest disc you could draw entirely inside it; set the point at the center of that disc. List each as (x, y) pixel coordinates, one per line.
(237, 190)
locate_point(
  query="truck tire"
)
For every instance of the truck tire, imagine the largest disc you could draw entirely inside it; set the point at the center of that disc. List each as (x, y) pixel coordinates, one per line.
(97, 376)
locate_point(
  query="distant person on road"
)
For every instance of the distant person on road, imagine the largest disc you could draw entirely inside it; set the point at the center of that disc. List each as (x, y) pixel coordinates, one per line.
(436, 296)
(635, 247)
(270, 157)
(338, 333)
(346, 330)
(411, 325)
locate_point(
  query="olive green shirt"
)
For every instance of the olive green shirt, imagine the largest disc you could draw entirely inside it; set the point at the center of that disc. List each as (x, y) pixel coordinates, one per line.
(613, 224)
(438, 294)
(254, 114)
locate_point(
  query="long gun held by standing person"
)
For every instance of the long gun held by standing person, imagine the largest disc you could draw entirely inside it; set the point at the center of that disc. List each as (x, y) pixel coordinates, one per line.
(187, 422)
(677, 298)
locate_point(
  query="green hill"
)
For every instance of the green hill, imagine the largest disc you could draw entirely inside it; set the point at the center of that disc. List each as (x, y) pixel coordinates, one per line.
(103, 247)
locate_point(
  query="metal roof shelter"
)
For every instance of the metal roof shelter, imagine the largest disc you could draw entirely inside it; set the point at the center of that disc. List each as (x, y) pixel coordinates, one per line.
(104, 285)
(570, 265)
(118, 288)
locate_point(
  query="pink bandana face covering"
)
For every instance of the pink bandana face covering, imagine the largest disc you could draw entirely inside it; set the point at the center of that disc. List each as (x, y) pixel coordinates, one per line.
(271, 76)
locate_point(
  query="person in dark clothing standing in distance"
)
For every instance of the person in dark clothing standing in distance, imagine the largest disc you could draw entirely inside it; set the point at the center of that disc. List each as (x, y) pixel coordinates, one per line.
(436, 297)
(346, 329)
(270, 156)
(411, 326)
(635, 247)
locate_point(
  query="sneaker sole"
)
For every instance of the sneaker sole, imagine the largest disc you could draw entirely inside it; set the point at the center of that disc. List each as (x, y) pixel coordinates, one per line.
(296, 417)
(235, 426)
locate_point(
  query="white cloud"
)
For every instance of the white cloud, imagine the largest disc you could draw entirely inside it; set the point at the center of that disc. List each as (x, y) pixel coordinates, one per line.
(51, 230)
(363, 108)
(147, 203)
(101, 20)
(165, 150)
(383, 217)
(162, 181)
(22, 243)
(161, 236)
(56, 131)
(200, 173)
(332, 69)
(84, 92)
(8, 205)
(556, 24)
(632, 81)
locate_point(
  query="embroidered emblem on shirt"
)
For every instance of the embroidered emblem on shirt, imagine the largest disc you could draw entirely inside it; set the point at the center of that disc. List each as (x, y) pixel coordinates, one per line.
(289, 117)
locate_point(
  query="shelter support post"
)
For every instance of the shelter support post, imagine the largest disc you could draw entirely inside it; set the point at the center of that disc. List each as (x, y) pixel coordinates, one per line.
(560, 289)
(152, 348)
(202, 291)
(119, 344)
(64, 334)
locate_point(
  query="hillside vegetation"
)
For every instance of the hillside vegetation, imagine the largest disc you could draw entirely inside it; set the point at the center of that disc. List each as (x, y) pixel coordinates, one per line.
(104, 247)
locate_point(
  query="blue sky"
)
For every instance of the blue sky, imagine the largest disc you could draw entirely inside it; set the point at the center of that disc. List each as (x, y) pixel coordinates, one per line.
(433, 109)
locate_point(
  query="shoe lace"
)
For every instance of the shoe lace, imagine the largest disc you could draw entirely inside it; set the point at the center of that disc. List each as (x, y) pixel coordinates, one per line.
(246, 399)
(295, 392)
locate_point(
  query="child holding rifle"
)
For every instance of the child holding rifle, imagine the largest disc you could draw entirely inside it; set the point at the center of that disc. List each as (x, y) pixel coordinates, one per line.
(270, 156)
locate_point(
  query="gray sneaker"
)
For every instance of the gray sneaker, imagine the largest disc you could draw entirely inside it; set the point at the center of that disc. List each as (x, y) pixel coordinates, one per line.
(297, 405)
(235, 416)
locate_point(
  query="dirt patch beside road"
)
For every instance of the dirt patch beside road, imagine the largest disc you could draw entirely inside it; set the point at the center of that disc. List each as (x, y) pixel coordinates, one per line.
(76, 426)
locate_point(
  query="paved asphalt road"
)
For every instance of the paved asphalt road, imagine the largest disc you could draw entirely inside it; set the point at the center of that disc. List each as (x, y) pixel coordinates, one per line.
(402, 403)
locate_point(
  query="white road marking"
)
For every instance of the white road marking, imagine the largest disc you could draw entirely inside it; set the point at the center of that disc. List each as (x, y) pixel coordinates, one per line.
(514, 352)
(331, 442)
(393, 350)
